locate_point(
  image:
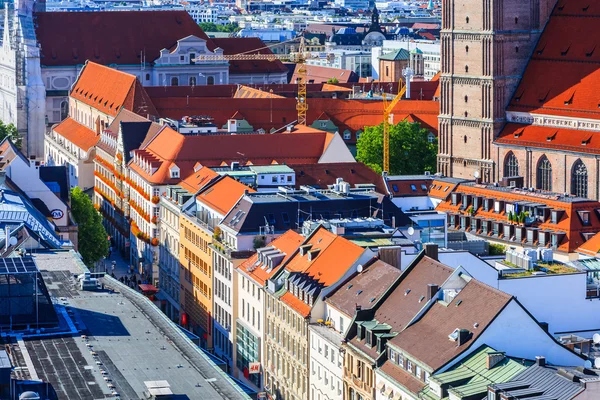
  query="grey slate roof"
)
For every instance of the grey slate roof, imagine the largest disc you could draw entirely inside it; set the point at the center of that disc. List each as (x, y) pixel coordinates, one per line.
(537, 383)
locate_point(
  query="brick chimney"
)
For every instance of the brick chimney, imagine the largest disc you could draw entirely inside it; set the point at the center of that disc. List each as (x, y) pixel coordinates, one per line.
(493, 359)
(431, 250)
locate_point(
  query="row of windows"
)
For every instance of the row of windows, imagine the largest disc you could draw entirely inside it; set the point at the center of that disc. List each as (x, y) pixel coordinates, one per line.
(196, 239)
(579, 174)
(254, 317)
(197, 262)
(223, 292)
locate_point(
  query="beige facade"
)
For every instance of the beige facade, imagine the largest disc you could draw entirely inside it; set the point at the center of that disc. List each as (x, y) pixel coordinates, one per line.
(286, 343)
(485, 48)
(359, 375)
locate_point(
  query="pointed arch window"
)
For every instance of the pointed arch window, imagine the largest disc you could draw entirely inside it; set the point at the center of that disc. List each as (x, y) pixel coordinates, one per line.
(511, 165)
(544, 174)
(579, 179)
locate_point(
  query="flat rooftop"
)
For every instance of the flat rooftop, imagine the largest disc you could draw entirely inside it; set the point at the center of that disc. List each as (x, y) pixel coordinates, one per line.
(116, 335)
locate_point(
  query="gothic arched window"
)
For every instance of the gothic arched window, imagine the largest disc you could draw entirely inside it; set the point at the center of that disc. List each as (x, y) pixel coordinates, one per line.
(579, 179)
(511, 165)
(544, 174)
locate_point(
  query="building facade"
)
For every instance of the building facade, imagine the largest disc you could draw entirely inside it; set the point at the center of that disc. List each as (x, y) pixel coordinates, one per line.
(484, 53)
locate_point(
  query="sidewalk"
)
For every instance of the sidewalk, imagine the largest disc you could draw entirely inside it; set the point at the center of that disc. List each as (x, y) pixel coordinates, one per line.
(121, 265)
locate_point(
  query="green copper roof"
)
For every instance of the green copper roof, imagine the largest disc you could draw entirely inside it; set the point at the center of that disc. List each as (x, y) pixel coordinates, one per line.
(416, 50)
(400, 54)
(471, 377)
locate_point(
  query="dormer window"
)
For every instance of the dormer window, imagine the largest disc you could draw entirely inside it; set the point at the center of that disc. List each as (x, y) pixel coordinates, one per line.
(360, 332)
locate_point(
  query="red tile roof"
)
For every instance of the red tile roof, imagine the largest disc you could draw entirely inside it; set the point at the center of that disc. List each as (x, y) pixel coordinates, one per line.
(570, 223)
(336, 256)
(322, 175)
(562, 76)
(296, 304)
(198, 179)
(108, 90)
(591, 247)
(169, 147)
(479, 304)
(441, 189)
(579, 141)
(76, 133)
(353, 115)
(318, 74)
(111, 37)
(222, 194)
(401, 376)
(248, 46)
(404, 188)
(286, 243)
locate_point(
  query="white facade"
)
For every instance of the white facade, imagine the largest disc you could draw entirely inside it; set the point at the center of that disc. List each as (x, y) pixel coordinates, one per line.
(352, 4)
(353, 60)
(250, 298)
(79, 162)
(431, 54)
(326, 360)
(168, 262)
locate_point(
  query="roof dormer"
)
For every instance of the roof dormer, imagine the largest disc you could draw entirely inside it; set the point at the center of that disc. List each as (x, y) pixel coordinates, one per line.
(174, 172)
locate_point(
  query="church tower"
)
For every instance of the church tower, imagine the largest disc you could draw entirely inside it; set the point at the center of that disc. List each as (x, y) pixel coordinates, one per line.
(485, 48)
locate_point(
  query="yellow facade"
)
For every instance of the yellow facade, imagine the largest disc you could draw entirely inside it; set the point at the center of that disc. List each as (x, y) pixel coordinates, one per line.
(195, 276)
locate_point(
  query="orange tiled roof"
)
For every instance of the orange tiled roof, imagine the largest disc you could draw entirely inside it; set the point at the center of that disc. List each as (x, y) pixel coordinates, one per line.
(108, 90)
(570, 223)
(562, 76)
(335, 257)
(286, 243)
(546, 137)
(168, 147)
(246, 92)
(76, 133)
(296, 304)
(591, 247)
(441, 189)
(198, 179)
(223, 194)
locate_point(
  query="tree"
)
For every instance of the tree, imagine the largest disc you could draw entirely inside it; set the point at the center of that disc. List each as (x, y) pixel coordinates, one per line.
(333, 80)
(212, 27)
(92, 237)
(10, 131)
(411, 153)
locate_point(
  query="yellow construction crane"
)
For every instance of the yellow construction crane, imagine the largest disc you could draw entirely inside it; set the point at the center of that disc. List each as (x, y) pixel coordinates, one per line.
(387, 113)
(299, 57)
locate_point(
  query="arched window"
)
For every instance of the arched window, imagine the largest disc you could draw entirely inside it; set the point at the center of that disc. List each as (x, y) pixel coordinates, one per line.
(210, 80)
(511, 165)
(64, 109)
(544, 174)
(579, 179)
(174, 81)
(192, 81)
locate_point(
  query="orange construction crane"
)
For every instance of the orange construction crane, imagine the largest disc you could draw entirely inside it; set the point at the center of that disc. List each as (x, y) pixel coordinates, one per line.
(299, 57)
(387, 115)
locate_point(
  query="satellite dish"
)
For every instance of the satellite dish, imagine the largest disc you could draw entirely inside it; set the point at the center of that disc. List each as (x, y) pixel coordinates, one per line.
(411, 230)
(12, 241)
(596, 338)
(597, 363)
(588, 364)
(476, 174)
(359, 268)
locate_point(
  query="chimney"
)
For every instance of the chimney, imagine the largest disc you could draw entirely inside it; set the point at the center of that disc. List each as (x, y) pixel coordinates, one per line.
(391, 255)
(540, 361)
(432, 290)
(231, 126)
(463, 336)
(431, 250)
(493, 359)
(7, 240)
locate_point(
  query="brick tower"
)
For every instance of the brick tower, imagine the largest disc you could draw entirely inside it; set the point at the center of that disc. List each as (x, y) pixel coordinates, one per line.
(485, 48)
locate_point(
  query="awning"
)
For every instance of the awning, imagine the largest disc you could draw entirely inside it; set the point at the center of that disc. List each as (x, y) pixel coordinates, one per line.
(147, 288)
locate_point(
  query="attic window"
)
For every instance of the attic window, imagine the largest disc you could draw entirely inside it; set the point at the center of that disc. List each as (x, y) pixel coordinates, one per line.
(569, 101)
(552, 137)
(585, 8)
(586, 141)
(591, 52)
(541, 50)
(407, 292)
(519, 133)
(543, 99)
(458, 303)
(518, 97)
(565, 51)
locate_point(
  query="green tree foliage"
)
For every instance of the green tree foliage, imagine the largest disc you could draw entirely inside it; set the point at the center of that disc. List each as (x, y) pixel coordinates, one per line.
(92, 237)
(333, 80)
(212, 27)
(410, 150)
(10, 131)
